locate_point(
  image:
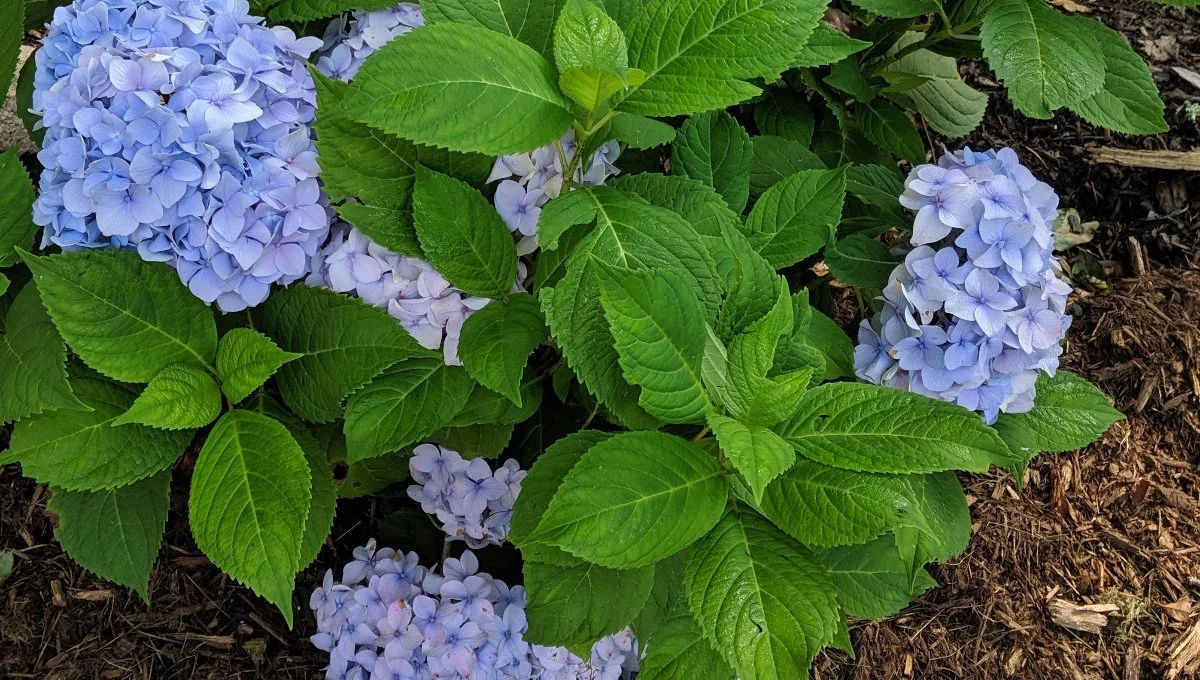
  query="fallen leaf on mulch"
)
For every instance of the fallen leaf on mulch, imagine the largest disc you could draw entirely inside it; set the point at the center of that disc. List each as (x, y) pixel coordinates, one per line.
(1070, 6)
(1164, 48)
(1088, 618)
(6, 565)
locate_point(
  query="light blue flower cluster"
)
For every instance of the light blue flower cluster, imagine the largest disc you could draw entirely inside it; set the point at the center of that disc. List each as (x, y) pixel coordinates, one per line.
(473, 503)
(977, 309)
(391, 619)
(180, 128)
(410, 289)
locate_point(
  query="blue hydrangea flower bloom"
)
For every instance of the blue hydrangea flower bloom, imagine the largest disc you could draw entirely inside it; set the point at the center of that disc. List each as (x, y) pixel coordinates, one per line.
(410, 289)
(180, 129)
(976, 310)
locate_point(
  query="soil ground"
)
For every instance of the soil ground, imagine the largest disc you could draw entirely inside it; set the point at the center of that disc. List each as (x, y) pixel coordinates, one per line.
(1115, 524)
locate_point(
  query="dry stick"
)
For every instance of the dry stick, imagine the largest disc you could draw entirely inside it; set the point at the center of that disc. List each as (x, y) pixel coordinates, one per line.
(1160, 160)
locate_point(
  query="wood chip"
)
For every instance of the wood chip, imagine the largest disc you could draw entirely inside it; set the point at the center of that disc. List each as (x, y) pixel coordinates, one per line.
(1185, 655)
(1161, 160)
(1088, 618)
(93, 595)
(218, 641)
(1188, 74)
(56, 593)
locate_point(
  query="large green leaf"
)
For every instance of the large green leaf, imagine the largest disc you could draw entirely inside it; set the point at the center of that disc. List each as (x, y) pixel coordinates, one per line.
(762, 600)
(1128, 101)
(948, 104)
(879, 429)
(115, 533)
(342, 344)
(409, 402)
(899, 9)
(871, 579)
(825, 506)
(634, 499)
(125, 317)
(939, 518)
(828, 46)
(250, 495)
(1047, 60)
(180, 397)
(245, 360)
(697, 203)
(861, 262)
(776, 158)
(640, 132)
(586, 37)
(576, 605)
(632, 233)
(750, 395)
(697, 55)
(16, 222)
(324, 492)
(530, 21)
(833, 342)
(889, 127)
(680, 652)
(757, 452)
(1069, 413)
(658, 325)
(10, 43)
(84, 451)
(496, 341)
(538, 489)
(786, 113)
(33, 374)
(713, 148)
(462, 235)
(797, 216)
(463, 88)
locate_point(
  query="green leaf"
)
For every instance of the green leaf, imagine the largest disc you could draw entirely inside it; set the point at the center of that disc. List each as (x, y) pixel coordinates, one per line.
(828, 46)
(1046, 60)
(776, 158)
(324, 492)
(10, 43)
(797, 216)
(697, 55)
(496, 341)
(126, 318)
(697, 203)
(538, 489)
(940, 516)
(871, 580)
(848, 77)
(629, 232)
(406, 404)
(530, 21)
(4, 283)
(753, 289)
(833, 342)
(1128, 101)
(826, 506)
(584, 36)
(485, 406)
(482, 440)
(342, 344)
(307, 10)
(892, 129)
(875, 185)
(463, 236)
(463, 88)
(33, 375)
(24, 93)
(666, 596)
(245, 360)
(16, 223)
(590, 86)
(898, 9)
(949, 105)
(639, 132)
(249, 490)
(749, 394)
(180, 397)
(115, 533)
(785, 113)
(658, 325)
(713, 148)
(879, 429)
(680, 652)
(1069, 413)
(576, 605)
(83, 451)
(861, 262)
(761, 599)
(758, 453)
(634, 499)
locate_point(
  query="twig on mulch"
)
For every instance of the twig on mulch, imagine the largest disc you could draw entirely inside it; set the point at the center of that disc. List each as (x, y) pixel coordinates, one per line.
(1161, 160)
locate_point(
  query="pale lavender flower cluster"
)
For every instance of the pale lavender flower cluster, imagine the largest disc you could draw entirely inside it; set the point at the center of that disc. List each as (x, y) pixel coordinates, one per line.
(391, 619)
(473, 503)
(977, 309)
(350, 40)
(410, 289)
(180, 128)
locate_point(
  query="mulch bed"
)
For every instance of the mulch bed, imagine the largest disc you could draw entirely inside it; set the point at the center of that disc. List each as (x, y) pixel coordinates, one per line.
(1117, 523)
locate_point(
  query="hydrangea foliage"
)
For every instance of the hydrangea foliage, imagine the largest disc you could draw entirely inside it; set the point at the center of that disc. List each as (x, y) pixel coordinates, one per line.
(624, 392)
(977, 310)
(180, 130)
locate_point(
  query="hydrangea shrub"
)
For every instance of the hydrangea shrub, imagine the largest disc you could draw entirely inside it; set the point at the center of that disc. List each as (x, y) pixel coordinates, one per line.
(554, 280)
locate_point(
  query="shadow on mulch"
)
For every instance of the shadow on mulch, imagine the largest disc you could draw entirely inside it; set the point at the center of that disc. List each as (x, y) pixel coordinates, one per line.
(1117, 523)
